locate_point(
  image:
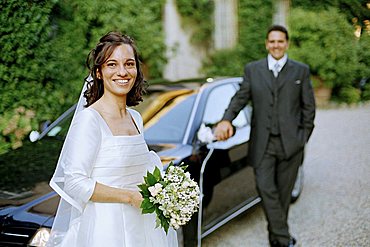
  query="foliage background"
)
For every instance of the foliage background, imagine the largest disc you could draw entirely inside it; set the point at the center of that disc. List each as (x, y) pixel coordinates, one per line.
(252, 30)
(337, 58)
(44, 43)
(27, 68)
(197, 16)
(325, 41)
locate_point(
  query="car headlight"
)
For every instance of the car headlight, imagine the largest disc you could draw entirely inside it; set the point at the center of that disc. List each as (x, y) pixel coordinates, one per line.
(40, 238)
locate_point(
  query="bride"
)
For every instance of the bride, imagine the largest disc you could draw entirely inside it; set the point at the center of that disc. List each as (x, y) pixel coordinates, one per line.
(105, 157)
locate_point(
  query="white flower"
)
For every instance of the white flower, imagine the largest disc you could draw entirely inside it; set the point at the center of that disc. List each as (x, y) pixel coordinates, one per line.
(177, 199)
(154, 190)
(185, 184)
(205, 134)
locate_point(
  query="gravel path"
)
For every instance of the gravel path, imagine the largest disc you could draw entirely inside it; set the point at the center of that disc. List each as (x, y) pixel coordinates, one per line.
(334, 208)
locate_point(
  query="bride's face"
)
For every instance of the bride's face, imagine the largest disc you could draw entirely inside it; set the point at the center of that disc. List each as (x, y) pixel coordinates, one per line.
(119, 71)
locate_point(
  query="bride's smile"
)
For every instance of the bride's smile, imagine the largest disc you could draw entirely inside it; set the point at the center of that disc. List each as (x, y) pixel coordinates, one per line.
(119, 71)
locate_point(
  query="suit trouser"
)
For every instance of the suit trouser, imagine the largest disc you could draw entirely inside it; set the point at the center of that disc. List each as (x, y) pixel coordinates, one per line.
(275, 178)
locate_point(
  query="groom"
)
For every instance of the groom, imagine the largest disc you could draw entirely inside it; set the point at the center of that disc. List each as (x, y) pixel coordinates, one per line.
(283, 114)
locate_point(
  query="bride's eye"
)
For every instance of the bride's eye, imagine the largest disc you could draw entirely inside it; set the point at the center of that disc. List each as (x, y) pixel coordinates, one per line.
(111, 65)
(130, 65)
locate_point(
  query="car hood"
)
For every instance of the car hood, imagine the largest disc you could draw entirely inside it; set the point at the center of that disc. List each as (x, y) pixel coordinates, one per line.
(35, 214)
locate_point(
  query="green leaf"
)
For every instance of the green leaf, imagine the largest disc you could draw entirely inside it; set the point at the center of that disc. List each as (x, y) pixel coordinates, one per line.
(157, 174)
(146, 177)
(143, 187)
(165, 224)
(163, 183)
(145, 193)
(157, 222)
(151, 179)
(184, 167)
(169, 165)
(144, 190)
(164, 221)
(158, 212)
(146, 203)
(147, 210)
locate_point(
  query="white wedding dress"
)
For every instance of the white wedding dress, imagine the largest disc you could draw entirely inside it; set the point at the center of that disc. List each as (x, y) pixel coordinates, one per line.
(93, 154)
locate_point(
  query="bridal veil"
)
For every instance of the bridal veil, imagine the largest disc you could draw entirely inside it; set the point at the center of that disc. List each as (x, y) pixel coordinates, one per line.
(69, 209)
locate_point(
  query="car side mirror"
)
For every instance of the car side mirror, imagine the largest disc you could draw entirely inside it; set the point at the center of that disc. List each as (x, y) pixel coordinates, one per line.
(44, 125)
(34, 136)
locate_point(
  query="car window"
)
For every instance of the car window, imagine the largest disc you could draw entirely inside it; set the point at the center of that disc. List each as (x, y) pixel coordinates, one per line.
(169, 124)
(218, 100)
(60, 130)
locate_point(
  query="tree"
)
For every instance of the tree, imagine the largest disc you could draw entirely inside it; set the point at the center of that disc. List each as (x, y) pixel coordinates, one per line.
(324, 40)
(44, 44)
(27, 71)
(357, 12)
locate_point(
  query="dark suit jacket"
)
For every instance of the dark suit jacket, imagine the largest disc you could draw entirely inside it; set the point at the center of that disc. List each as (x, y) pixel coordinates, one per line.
(296, 106)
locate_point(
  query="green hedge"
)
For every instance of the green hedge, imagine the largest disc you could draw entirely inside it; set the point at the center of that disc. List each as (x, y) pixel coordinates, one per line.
(254, 19)
(26, 68)
(44, 45)
(325, 40)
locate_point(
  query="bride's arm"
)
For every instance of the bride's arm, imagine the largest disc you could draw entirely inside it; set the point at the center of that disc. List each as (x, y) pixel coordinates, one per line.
(104, 193)
(82, 147)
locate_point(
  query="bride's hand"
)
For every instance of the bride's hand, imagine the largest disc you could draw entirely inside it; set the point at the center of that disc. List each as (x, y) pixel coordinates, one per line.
(136, 199)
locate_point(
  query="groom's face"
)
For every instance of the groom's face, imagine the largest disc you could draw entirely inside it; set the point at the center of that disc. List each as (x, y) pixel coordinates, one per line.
(277, 44)
(119, 71)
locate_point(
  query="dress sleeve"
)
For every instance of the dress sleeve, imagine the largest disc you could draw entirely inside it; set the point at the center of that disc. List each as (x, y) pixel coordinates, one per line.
(82, 146)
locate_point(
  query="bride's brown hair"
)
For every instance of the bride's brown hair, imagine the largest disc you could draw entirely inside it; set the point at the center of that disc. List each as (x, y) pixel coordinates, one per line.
(99, 55)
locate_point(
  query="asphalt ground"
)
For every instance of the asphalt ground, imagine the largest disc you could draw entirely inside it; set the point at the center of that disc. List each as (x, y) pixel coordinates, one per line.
(334, 207)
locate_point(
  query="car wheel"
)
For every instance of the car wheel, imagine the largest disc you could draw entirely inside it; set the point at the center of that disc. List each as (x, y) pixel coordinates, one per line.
(298, 186)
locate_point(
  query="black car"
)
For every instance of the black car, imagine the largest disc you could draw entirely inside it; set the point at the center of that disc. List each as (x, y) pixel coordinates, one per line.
(173, 114)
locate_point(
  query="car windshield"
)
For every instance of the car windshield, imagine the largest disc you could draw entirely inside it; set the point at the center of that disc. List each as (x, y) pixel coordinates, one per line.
(169, 116)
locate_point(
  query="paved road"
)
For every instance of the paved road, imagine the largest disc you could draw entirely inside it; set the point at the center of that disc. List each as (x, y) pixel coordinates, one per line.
(334, 208)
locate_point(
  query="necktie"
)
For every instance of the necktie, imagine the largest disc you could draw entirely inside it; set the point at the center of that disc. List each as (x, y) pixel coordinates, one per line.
(276, 69)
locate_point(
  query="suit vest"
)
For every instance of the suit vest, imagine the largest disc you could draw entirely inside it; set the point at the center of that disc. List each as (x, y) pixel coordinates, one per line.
(275, 129)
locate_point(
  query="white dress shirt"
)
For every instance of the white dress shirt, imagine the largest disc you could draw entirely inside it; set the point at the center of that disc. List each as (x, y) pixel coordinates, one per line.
(276, 65)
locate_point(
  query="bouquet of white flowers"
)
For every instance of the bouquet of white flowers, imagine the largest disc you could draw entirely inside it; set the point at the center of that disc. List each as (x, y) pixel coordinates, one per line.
(173, 197)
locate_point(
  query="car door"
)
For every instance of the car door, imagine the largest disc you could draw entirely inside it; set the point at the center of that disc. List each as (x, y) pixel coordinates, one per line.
(228, 183)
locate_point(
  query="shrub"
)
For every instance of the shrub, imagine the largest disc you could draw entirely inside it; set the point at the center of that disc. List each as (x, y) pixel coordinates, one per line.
(325, 40)
(44, 44)
(366, 92)
(350, 95)
(27, 71)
